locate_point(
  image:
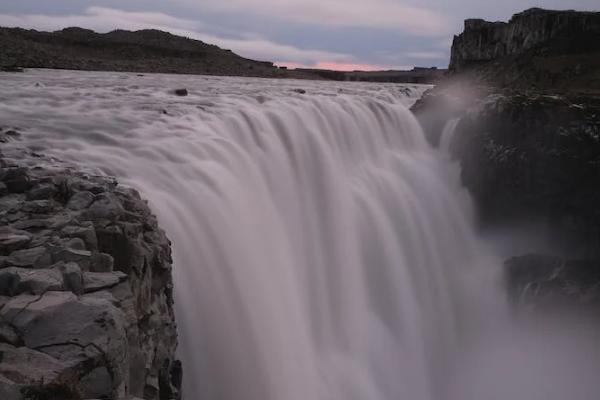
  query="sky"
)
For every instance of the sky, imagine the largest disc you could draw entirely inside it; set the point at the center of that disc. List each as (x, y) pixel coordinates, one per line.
(333, 34)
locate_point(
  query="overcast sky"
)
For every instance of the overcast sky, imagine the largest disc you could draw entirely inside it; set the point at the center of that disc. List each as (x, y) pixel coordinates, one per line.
(340, 34)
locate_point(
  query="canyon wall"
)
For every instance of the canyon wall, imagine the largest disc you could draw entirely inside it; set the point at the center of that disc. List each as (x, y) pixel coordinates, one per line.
(483, 41)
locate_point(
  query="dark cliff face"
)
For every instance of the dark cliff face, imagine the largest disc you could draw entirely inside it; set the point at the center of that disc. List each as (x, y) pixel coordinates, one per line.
(484, 41)
(536, 50)
(526, 94)
(535, 158)
(526, 158)
(530, 160)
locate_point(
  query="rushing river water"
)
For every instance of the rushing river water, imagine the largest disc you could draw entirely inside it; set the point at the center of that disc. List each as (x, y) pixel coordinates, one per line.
(322, 249)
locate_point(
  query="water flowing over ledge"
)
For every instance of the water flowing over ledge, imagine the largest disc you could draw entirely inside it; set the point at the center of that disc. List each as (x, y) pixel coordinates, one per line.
(322, 248)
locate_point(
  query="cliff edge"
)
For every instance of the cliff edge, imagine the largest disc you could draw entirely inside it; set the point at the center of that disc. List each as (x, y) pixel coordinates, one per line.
(86, 294)
(536, 49)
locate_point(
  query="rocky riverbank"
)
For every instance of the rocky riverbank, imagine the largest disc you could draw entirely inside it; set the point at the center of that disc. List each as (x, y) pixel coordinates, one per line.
(86, 294)
(527, 136)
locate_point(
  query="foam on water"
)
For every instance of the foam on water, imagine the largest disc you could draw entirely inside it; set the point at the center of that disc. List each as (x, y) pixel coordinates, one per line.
(322, 249)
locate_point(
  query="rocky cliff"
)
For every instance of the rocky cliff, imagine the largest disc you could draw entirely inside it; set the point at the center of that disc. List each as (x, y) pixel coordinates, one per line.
(121, 50)
(524, 97)
(483, 41)
(537, 49)
(86, 301)
(535, 159)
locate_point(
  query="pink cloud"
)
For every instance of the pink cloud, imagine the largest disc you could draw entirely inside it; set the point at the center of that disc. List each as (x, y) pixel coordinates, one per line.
(338, 66)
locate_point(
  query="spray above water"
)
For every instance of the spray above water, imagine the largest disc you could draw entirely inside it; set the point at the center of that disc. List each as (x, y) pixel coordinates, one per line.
(322, 249)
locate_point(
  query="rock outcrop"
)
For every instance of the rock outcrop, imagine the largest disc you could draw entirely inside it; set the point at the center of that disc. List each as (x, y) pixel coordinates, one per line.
(484, 41)
(535, 158)
(548, 281)
(557, 51)
(524, 97)
(86, 296)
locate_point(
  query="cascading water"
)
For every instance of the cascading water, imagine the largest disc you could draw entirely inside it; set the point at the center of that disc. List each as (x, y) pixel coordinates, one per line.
(322, 249)
(448, 134)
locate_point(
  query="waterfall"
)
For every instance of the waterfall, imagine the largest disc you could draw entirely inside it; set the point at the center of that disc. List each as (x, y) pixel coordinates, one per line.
(448, 134)
(322, 249)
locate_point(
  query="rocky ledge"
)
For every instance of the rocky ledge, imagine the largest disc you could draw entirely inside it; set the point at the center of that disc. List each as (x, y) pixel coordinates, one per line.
(86, 294)
(537, 280)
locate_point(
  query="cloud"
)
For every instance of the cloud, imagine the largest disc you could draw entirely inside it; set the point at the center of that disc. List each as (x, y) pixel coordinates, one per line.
(386, 14)
(106, 19)
(98, 18)
(259, 48)
(426, 55)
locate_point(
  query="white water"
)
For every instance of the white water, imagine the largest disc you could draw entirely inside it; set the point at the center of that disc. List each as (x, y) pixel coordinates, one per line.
(448, 134)
(322, 249)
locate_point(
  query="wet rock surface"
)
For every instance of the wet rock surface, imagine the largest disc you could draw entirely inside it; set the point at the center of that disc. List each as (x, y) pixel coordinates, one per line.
(535, 158)
(540, 280)
(86, 302)
(526, 157)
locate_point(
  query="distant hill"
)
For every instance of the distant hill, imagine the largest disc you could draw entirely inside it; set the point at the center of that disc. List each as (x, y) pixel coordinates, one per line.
(121, 50)
(415, 75)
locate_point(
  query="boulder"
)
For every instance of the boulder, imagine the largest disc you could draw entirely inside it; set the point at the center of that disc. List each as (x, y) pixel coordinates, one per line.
(94, 281)
(85, 231)
(80, 200)
(25, 366)
(106, 206)
(42, 191)
(16, 180)
(14, 281)
(12, 240)
(37, 257)
(80, 332)
(82, 257)
(72, 277)
(102, 262)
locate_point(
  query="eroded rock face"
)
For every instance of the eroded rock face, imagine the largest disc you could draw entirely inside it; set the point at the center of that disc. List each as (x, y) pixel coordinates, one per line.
(86, 302)
(526, 158)
(484, 41)
(535, 158)
(542, 280)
